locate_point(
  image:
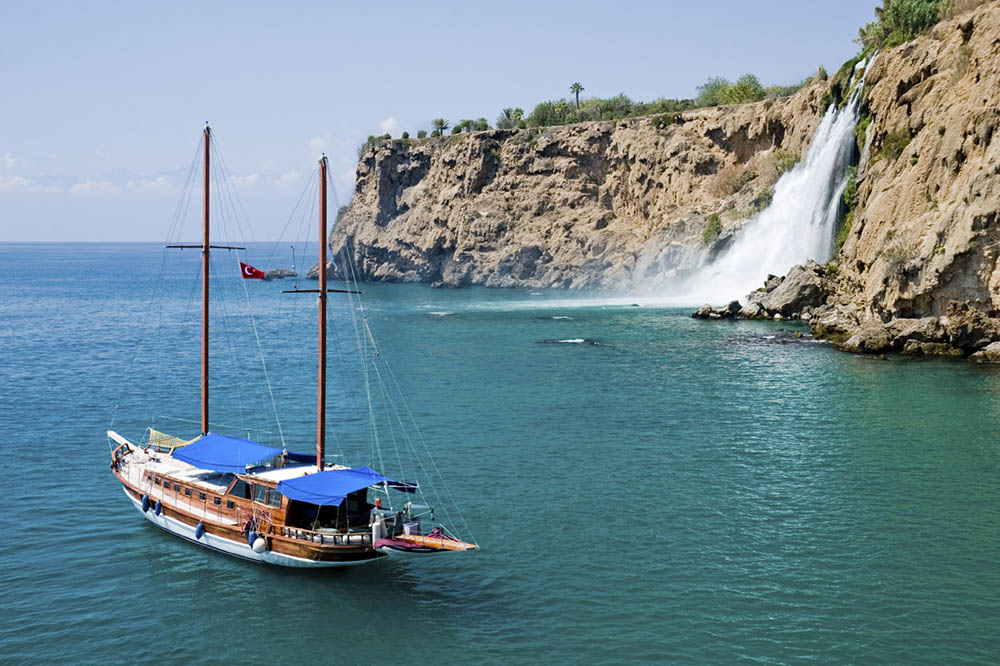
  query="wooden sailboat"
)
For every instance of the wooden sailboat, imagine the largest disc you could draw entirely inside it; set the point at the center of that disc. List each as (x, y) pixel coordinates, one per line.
(263, 503)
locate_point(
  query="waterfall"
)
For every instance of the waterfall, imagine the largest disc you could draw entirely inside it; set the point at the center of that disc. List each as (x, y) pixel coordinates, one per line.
(798, 225)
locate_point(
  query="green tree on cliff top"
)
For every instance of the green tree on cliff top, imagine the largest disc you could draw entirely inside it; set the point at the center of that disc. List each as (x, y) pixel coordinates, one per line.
(576, 89)
(439, 125)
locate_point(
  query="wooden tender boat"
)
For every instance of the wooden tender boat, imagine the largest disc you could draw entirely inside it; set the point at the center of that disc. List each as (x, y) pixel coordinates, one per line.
(264, 503)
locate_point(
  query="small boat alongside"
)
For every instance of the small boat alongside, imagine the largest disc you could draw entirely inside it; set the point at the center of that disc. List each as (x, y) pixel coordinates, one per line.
(266, 503)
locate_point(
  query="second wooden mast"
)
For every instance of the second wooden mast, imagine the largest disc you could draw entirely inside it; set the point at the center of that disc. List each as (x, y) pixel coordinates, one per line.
(205, 266)
(321, 394)
(322, 291)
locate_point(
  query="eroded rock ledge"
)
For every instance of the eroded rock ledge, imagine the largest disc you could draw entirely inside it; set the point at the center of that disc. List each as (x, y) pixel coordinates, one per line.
(807, 293)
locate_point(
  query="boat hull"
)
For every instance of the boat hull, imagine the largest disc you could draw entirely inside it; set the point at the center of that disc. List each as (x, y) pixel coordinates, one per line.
(233, 547)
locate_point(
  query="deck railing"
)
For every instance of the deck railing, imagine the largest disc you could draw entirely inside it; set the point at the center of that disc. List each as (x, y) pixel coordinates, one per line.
(326, 538)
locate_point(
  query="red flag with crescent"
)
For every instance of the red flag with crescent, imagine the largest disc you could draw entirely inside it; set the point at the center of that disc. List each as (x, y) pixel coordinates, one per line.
(251, 273)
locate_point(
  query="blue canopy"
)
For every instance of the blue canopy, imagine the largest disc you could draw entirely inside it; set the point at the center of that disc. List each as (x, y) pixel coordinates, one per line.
(224, 454)
(329, 488)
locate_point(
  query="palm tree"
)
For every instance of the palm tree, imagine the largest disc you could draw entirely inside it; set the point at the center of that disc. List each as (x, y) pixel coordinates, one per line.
(506, 119)
(439, 125)
(576, 89)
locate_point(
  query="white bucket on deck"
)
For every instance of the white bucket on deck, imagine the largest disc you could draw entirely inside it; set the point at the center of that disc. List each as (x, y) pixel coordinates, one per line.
(412, 527)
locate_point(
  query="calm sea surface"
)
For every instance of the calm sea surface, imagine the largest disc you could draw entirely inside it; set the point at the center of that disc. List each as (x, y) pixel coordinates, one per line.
(679, 492)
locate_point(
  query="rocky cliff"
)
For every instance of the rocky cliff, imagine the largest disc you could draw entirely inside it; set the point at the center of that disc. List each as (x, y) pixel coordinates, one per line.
(601, 204)
(620, 204)
(921, 253)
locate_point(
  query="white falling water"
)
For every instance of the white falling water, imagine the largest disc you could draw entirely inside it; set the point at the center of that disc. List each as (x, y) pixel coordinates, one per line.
(798, 225)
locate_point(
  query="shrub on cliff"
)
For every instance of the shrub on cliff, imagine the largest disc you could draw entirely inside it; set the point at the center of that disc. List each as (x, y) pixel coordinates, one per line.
(711, 92)
(784, 160)
(771, 92)
(546, 113)
(713, 227)
(665, 120)
(894, 144)
(898, 21)
(770, 165)
(662, 105)
(731, 180)
(510, 118)
(747, 88)
(850, 208)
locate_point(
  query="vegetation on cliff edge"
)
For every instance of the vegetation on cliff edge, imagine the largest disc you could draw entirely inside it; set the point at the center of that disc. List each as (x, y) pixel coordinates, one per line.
(898, 21)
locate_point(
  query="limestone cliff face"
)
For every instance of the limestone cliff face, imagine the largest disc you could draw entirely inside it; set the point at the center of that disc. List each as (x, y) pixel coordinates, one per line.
(600, 204)
(927, 229)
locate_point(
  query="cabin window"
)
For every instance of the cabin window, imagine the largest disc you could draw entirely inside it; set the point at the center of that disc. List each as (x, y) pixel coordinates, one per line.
(240, 489)
(217, 501)
(187, 491)
(259, 493)
(229, 504)
(274, 498)
(177, 488)
(201, 496)
(156, 480)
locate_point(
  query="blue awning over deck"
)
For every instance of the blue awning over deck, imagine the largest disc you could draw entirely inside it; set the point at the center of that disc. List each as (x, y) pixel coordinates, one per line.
(224, 454)
(329, 488)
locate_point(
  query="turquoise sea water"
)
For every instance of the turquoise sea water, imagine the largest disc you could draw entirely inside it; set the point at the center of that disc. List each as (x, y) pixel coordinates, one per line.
(681, 492)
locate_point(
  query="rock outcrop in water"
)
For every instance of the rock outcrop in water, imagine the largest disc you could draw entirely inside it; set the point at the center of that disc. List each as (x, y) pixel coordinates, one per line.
(924, 241)
(598, 204)
(793, 296)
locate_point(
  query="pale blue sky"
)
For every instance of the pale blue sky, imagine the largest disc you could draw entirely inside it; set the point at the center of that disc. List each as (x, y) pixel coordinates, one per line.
(103, 102)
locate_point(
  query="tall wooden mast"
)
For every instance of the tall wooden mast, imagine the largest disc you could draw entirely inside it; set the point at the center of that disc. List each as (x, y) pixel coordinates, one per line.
(321, 396)
(205, 249)
(322, 291)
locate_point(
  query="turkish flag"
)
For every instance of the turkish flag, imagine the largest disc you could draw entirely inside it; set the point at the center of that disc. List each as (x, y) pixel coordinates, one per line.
(251, 273)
